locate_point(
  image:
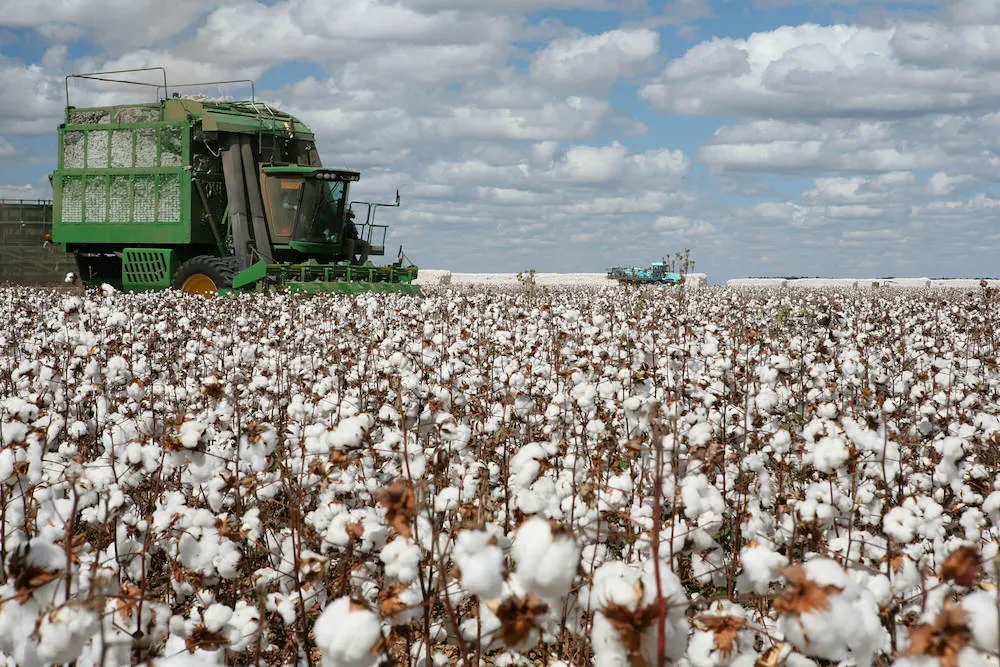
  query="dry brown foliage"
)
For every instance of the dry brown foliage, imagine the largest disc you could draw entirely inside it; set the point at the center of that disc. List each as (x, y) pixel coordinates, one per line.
(943, 639)
(962, 566)
(803, 595)
(518, 617)
(724, 629)
(401, 506)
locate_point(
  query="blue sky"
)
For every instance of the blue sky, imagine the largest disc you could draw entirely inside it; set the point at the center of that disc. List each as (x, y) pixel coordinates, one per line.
(836, 138)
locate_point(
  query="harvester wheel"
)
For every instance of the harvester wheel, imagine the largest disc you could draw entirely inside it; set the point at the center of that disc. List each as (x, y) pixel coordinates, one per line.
(204, 275)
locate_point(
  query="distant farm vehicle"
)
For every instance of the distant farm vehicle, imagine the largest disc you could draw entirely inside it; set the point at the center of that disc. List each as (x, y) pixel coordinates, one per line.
(209, 196)
(654, 274)
(670, 271)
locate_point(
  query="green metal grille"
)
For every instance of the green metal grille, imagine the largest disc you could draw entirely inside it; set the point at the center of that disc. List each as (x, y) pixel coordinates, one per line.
(147, 268)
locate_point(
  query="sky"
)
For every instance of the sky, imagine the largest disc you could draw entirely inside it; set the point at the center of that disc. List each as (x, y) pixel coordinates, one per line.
(829, 138)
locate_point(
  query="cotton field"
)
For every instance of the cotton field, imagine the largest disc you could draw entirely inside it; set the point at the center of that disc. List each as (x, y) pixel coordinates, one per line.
(503, 476)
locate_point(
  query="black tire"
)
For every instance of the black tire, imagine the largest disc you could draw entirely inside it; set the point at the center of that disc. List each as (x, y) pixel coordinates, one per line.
(205, 275)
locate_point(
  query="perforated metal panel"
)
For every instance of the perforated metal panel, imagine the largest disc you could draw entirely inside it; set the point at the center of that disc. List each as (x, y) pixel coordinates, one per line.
(147, 268)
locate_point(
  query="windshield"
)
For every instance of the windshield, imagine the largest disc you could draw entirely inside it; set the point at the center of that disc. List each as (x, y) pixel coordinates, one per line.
(305, 209)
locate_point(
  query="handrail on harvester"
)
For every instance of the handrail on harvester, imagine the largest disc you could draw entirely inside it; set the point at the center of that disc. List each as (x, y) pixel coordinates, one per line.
(102, 76)
(99, 76)
(253, 92)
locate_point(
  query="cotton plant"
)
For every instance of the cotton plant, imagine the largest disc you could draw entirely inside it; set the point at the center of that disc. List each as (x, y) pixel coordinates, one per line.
(825, 614)
(627, 602)
(250, 445)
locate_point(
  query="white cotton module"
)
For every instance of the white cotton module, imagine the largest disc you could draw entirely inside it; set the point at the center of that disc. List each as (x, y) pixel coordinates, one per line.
(347, 633)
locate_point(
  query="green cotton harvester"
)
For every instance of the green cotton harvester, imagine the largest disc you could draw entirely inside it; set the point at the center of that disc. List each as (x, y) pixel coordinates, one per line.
(210, 196)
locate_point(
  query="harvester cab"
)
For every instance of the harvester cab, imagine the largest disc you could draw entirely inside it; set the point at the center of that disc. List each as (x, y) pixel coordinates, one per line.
(208, 195)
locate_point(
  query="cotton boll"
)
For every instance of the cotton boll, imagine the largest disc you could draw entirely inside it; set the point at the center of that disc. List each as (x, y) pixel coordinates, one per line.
(418, 657)
(351, 431)
(767, 400)
(983, 617)
(826, 615)
(177, 655)
(623, 592)
(446, 499)
(242, 627)
(700, 434)
(480, 560)
(402, 559)
(216, 616)
(191, 433)
(721, 638)
(17, 625)
(828, 454)
(781, 442)
(284, 605)
(761, 566)
(700, 496)
(346, 633)
(546, 560)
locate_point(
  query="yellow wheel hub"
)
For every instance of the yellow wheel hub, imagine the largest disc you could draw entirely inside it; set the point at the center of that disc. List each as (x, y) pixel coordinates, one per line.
(199, 283)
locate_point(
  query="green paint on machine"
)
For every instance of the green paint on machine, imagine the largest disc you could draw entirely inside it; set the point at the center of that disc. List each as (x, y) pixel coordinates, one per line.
(144, 193)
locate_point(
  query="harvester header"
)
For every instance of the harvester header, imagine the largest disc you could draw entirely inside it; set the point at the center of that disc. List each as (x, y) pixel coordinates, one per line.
(207, 195)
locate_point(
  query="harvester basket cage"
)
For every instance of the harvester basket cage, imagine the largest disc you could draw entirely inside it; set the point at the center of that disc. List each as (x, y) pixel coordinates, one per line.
(121, 165)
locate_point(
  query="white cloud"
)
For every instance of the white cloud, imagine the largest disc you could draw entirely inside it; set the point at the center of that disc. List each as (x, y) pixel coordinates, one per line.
(837, 70)
(116, 24)
(32, 100)
(953, 142)
(974, 11)
(511, 6)
(682, 225)
(594, 59)
(353, 31)
(941, 184)
(22, 192)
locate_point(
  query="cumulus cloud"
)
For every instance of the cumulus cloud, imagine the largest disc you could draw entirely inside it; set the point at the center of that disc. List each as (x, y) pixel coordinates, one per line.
(116, 24)
(351, 31)
(682, 225)
(594, 59)
(839, 70)
(941, 184)
(974, 11)
(26, 191)
(32, 102)
(959, 143)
